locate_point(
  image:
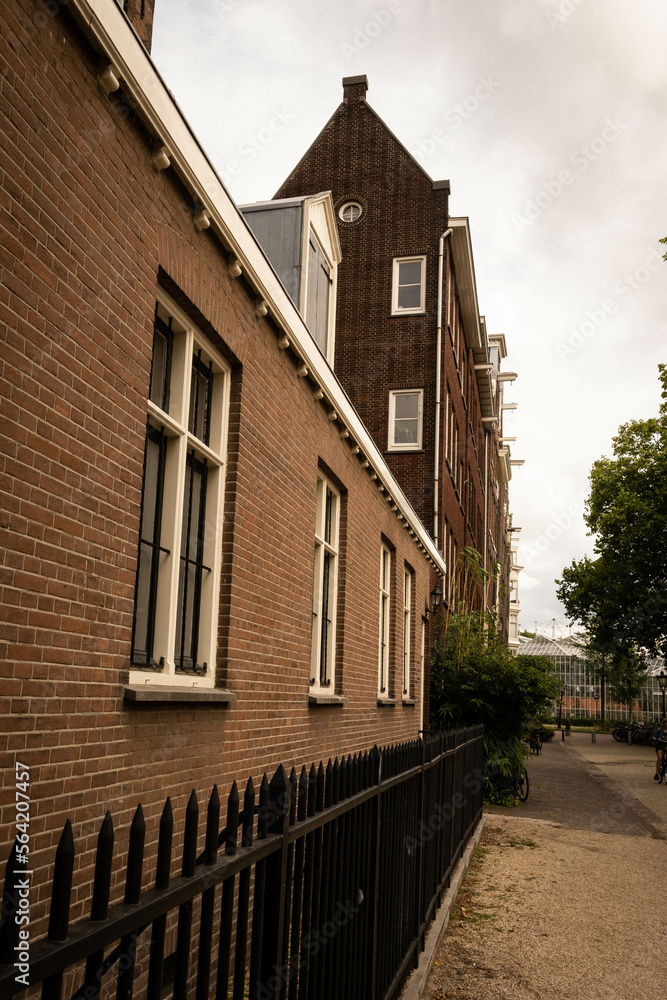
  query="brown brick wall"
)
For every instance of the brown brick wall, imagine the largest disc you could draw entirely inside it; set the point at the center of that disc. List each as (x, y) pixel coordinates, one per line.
(87, 227)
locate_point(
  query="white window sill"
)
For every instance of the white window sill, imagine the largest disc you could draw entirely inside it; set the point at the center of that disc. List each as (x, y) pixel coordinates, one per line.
(144, 693)
(407, 312)
(386, 702)
(323, 698)
(417, 450)
(409, 701)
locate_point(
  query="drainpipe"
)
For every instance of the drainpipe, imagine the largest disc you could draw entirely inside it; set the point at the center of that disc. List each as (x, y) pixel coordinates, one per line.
(438, 362)
(486, 492)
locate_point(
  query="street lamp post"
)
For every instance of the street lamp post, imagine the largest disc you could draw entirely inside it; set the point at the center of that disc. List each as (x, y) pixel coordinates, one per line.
(662, 681)
(560, 707)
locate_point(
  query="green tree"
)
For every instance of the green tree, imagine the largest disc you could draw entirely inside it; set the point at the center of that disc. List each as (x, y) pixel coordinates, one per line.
(620, 596)
(477, 679)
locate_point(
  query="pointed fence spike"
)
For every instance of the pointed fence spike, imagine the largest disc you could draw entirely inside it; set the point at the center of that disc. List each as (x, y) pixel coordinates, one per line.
(328, 789)
(279, 800)
(336, 782)
(103, 862)
(248, 813)
(212, 827)
(190, 836)
(232, 820)
(263, 817)
(312, 790)
(320, 788)
(135, 857)
(303, 794)
(293, 796)
(163, 867)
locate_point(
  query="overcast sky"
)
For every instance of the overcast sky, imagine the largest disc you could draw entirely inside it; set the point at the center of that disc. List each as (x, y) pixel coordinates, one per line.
(549, 118)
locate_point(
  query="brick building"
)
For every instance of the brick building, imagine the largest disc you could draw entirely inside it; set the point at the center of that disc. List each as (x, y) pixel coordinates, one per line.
(412, 350)
(210, 565)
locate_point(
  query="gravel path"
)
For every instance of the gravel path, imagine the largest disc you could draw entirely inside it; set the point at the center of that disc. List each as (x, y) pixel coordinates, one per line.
(551, 910)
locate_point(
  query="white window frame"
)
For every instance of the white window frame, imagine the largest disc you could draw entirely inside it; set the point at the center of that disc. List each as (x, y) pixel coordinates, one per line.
(385, 612)
(407, 628)
(395, 310)
(323, 658)
(392, 445)
(422, 650)
(180, 443)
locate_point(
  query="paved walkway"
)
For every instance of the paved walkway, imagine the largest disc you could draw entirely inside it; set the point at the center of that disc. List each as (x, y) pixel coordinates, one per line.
(605, 786)
(561, 898)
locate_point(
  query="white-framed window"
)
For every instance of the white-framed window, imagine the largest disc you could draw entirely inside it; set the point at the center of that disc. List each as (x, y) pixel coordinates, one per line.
(405, 419)
(325, 585)
(319, 282)
(408, 294)
(178, 566)
(407, 627)
(385, 600)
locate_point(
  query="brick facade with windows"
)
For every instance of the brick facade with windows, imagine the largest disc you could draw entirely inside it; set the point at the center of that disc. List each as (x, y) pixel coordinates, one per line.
(382, 348)
(93, 229)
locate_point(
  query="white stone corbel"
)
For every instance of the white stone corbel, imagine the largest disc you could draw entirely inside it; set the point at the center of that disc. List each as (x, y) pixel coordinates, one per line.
(160, 159)
(108, 79)
(235, 269)
(202, 220)
(302, 370)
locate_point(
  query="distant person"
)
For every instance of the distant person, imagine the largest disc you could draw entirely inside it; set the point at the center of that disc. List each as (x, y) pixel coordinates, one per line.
(660, 738)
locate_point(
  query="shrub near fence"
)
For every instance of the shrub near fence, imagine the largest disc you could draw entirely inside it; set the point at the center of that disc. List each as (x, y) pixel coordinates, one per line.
(328, 893)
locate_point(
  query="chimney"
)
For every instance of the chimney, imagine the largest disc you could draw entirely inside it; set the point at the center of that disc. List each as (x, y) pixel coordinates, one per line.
(354, 88)
(140, 15)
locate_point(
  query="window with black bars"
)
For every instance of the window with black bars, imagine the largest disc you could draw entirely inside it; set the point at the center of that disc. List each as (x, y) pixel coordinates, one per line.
(191, 567)
(150, 549)
(179, 552)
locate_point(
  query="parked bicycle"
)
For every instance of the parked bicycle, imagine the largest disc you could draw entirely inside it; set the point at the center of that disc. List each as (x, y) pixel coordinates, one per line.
(521, 783)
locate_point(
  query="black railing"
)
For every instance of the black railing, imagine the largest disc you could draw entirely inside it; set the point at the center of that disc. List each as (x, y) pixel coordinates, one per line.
(328, 894)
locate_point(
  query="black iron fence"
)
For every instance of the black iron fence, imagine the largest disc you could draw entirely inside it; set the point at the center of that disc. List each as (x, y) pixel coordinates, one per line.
(330, 880)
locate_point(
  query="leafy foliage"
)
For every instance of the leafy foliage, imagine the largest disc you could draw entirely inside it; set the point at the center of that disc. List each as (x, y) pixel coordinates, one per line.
(477, 679)
(620, 596)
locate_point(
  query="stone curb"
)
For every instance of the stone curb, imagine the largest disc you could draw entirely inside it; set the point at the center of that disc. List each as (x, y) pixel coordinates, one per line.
(416, 984)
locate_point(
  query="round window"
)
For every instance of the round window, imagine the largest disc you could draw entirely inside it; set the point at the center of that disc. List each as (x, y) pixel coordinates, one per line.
(350, 211)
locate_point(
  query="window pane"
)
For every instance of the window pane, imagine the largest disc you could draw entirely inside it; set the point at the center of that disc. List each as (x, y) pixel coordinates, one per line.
(410, 272)
(191, 568)
(201, 385)
(406, 405)
(409, 296)
(317, 305)
(326, 617)
(406, 432)
(161, 364)
(149, 552)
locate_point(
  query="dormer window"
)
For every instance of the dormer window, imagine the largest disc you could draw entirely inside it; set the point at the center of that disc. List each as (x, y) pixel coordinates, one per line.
(317, 293)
